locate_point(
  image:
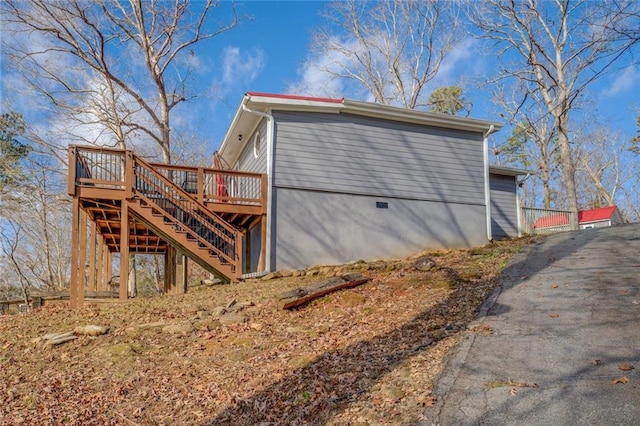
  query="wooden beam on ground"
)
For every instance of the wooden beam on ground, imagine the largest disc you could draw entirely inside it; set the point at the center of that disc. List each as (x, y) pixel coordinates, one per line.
(300, 296)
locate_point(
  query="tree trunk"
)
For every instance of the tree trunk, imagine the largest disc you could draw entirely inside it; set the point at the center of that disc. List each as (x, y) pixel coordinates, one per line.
(568, 170)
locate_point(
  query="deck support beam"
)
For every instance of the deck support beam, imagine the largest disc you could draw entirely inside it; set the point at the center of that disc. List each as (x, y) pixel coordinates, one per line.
(124, 250)
(93, 279)
(263, 243)
(75, 253)
(175, 271)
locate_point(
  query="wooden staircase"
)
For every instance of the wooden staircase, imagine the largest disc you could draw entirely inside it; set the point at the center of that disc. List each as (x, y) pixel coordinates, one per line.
(144, 208)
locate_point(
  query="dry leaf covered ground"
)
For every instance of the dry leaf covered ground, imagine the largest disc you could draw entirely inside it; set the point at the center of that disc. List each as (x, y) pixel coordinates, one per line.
(366, 355)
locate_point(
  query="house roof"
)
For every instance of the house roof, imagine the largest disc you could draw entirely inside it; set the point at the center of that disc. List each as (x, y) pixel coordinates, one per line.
(246, 120)
(507, 171)
(595, 215)
(584, 216)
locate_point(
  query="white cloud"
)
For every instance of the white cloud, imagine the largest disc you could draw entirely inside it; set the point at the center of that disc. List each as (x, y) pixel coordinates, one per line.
(623, 82)
(455, 61)
(240, 66)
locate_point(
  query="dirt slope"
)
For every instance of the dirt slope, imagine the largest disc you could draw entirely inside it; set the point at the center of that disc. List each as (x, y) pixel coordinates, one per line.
(366, 355)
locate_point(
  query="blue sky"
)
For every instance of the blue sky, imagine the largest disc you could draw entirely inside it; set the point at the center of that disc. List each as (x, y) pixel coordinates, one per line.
(269, 52)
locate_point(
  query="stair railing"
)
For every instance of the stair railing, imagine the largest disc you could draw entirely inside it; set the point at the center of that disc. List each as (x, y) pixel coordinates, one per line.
(187, 214)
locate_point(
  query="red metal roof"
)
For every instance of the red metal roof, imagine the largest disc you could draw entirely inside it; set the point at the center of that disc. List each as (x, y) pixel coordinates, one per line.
(300, 98)
(593, 215)
(584, 216)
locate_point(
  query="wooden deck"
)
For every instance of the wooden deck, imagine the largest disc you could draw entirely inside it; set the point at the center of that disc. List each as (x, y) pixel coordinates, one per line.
(122, 204)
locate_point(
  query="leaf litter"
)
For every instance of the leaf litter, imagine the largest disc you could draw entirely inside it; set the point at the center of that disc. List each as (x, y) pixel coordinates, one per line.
(364, 355)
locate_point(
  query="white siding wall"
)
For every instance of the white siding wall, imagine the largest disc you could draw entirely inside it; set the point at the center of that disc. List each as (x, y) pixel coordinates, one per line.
(247, 162)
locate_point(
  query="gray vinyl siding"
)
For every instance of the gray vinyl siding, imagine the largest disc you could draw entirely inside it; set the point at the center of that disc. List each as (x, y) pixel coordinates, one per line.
(358, 155)
(504, 207)
(316, 228)
(247, 162)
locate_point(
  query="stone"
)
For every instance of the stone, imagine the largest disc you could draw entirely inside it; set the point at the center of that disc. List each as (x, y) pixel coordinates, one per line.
(177, 329)
(202, 314)
(91, 330)
(296, 274)
(206, 325)
(271, 276)
(218, 311)
(424, 264)
(285, 274)
(233, 318)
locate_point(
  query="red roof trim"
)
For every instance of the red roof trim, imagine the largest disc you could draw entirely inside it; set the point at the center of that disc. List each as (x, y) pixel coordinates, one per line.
(300, 98)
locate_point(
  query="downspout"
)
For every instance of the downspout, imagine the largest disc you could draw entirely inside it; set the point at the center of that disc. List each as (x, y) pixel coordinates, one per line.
(270, 131)
(520, 218)
(487, 186)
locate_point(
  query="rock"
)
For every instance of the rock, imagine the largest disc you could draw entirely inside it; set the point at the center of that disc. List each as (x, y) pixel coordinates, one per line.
(296, 274)
(91, 330)
(202, 314)
(218, 311)
(231, 303)
(177, 329)
(311, 273)
(256, 326)
(233, 318)
(285, 274)
(424, 264)
(151, 325)
(271, 276)
(206, 325)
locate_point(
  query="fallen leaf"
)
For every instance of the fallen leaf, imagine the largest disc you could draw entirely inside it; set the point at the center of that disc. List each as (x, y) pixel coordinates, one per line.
(595, 362)
(554, 315)
(621, 380)
(625, 366)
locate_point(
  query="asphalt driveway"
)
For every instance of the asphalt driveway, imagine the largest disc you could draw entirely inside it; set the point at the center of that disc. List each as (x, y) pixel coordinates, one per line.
(559, 344)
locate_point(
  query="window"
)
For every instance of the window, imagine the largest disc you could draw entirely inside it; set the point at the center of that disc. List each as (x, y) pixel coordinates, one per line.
(256, 144)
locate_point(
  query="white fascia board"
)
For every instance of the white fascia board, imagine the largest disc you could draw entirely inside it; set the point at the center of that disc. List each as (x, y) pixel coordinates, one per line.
(292, 104)
(419, 117)
(508, 171)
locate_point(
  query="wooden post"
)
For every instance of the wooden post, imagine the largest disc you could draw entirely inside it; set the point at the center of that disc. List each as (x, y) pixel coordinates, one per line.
(99, 262)
(169, 275)
(71, 178)
(82, 246)
(108, 266)
(200, 195)
(124, 250)
(263, 243)
(75, 254)
(93, 284)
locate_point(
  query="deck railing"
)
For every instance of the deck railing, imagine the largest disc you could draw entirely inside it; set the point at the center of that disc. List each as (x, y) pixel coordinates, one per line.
(106, 168)
(545, 221)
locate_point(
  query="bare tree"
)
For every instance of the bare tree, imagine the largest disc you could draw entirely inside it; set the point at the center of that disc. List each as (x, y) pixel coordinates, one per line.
(125, 63)
(10, 239)
(558, 49)
(532, 144)
(602, 170)
(392, 48)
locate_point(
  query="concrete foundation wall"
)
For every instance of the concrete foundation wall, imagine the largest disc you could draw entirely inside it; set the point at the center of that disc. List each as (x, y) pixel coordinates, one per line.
(330, 228)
